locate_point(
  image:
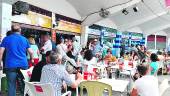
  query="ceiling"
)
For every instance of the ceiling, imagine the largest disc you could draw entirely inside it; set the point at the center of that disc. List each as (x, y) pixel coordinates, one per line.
(152, 16)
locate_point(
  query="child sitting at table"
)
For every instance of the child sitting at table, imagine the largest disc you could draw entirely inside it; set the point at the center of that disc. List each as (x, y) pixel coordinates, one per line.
(109, 57)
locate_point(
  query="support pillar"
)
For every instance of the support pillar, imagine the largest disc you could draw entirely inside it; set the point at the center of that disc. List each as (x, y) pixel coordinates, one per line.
(155, 41)
(5, 18)
(84, 36)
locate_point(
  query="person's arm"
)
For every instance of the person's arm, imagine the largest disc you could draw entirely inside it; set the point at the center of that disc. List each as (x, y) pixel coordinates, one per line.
(77, 82)
(2, 49)
(30, 53)
(67, 79)
(134, 92)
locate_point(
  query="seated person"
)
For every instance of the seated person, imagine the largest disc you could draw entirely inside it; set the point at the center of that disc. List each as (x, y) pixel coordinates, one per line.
(36, 73)
(154, 66)
(109, 57)
(89, 61)
(55, 73)
(147, 85)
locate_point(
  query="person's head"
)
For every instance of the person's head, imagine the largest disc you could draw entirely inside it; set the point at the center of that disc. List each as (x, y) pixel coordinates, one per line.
(61, 40)
(47, 55)
(16, 28)
(159, 53)
(55, 58)
(153, 57)
(65, 41)
(142, 69)
(109, 51)
(74, 39)
(31, 40)
(8, 33)
(132, 45)
(70, 48)
(95, 42)
(88, 55)
(46, 37)
(168, 54)
(132, 53)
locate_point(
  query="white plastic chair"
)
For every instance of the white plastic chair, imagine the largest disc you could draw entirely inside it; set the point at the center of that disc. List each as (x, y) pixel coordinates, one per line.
(27, 73)
(163, 86)
(39, 89)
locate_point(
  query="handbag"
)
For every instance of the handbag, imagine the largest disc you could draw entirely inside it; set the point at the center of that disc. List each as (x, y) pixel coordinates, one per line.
(70, 68)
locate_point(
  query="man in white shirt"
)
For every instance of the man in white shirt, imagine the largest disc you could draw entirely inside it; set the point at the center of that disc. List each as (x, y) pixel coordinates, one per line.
(47, 44)
(147, 85)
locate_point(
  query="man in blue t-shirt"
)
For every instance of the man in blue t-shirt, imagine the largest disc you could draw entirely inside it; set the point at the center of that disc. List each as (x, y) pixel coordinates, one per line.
(16, 47)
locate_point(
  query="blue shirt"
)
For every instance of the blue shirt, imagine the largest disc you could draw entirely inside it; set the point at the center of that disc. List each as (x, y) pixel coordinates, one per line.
(16, 47)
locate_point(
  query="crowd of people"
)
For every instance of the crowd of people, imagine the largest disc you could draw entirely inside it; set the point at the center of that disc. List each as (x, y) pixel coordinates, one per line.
(54, 63)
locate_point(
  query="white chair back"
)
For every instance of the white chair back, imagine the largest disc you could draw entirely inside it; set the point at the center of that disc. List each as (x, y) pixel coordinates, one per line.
(27, 73)
(38, 89)
(163, 86)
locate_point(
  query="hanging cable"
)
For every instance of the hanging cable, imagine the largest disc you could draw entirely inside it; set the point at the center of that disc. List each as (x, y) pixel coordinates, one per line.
(106, 9)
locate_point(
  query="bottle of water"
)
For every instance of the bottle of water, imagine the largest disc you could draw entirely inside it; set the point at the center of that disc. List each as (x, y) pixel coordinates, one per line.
(105, 73)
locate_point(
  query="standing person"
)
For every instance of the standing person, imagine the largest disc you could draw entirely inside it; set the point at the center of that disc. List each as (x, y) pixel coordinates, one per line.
(16, 47)
(76, 47)
(47, 46)
(4, 54)
(35, 49)
(96, 47)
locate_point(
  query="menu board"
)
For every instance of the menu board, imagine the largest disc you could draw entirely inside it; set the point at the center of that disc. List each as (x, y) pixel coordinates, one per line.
(68, 26)
(33, 18)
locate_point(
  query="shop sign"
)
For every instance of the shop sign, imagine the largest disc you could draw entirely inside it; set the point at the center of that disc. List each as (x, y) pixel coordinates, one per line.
(33, 18)
(68, 26)
(137, 36)
(109, 34)
(94, 31)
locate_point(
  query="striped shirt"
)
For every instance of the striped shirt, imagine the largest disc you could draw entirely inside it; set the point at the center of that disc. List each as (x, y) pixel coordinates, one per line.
(55, 74)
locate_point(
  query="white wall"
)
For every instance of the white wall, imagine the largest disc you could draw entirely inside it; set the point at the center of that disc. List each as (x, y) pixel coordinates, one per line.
(5, 18)
(135, 29)
(57, 6)
(107, 23)
(162, 33)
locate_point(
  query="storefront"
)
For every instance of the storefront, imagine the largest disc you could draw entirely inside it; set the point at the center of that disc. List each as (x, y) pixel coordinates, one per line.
(156, 42)
(129, 38)
(38, 21)
(104, 34)
(66, 27)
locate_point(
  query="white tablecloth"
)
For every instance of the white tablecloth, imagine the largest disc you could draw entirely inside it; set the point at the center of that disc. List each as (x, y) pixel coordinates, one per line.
(117, 85)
